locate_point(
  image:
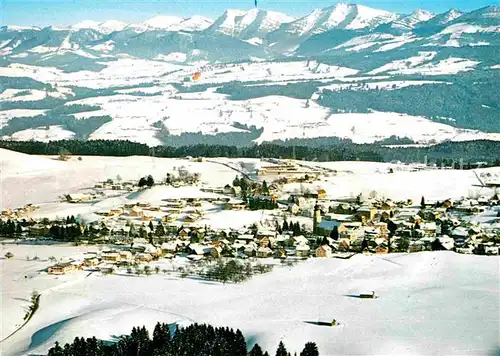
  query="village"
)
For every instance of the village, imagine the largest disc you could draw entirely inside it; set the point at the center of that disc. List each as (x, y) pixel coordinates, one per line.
(141, 227)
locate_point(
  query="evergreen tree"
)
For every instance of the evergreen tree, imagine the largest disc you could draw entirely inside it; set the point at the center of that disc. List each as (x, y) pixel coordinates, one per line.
(239, 345)
(404, 244)
(256, 351)
(265, 188)
(281, 351)
(480, 250)
(422, 202)
(335, 233)
(161, 337)
(142, 182)
(436, 245)
(236, 182)
(364, 244)
(151, 226)
(160, 230)
(310, 349)
(150, 181)
(57, 350)
(285, 225)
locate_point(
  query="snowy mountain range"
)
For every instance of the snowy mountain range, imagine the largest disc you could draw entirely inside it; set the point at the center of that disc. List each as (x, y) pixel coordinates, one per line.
(436, 70)
(269, 34)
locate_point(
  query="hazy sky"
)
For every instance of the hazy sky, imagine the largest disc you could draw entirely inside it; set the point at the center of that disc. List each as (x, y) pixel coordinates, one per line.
(66, 12)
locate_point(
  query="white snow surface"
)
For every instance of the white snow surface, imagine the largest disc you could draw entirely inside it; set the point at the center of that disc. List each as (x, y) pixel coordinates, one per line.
(233, 22)
(33, 94)
(20, 171)
(409, 22)
(104, 47)
(103, 27)
(54, 132)
(281, 118)
(385, 85)
(162, 22)
(446, 66)
(172, 57)
(6, 115)
(422, 296)
(340, 16)
(405, 63)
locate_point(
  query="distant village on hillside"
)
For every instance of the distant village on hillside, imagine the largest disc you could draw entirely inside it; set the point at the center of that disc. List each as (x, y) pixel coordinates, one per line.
(146, 231)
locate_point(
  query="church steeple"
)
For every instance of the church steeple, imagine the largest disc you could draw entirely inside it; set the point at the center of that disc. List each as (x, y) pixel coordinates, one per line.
(316, 218)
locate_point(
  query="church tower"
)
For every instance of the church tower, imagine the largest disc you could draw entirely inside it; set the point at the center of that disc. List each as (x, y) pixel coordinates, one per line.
(316, 218)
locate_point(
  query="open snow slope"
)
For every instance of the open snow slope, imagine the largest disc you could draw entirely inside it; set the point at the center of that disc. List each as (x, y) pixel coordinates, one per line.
(364, 177)
(281, 117)
(430, 303)
(41, 179)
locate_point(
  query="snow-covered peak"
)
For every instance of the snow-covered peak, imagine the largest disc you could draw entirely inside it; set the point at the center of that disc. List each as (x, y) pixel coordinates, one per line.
(340, 16)
(195, 23)
(416, 17)
(441, 19)
(451, 15)
(421, 15)
(112, 25)
(85, 24)
(17, 28)
(162, 22)
(173, 23)
(103, 27)
(408, 22)
(249, 24)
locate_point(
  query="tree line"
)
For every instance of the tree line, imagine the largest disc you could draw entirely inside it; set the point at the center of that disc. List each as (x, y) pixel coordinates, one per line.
(449, 153)
(195, 339)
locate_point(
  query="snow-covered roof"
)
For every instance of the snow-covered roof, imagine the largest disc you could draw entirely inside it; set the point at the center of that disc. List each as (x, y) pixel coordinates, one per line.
(302, 247)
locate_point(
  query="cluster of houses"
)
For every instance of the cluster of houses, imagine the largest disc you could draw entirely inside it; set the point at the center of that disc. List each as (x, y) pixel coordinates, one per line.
(143, 232)
(108, 261)
(382, 225)
(18, 213)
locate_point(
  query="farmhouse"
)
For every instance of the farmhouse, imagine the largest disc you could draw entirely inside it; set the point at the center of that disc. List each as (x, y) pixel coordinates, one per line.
(110, 256)
(367, 212)
(169, 247)
(324, 251)
(136, 211)
(264, 252)
(143, 257)
(302, 250)
(78, 197)
(62, 268)
(125, 255)
(91, 262)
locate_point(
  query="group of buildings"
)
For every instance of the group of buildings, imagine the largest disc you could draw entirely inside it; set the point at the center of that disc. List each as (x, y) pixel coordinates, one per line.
(143, 232)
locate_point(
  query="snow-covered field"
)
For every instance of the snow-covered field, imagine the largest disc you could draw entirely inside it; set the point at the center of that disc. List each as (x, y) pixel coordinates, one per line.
(365, 177)
(50, 133)
(430, 303)
(42, 179)
(281, 117)
(131, 71)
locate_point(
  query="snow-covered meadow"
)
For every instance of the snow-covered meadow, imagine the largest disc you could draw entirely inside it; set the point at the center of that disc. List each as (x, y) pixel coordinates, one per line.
(422, 296)
(430, 303)
(43, 179)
